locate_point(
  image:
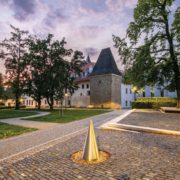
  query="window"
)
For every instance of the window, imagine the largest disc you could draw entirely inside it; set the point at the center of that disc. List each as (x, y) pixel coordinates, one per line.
(162, 93)
(88, 93)
(130, 91)
(126, 90)
(81, 94)
(99, 82)
(126, 103)
(130, 103)
(144, 94)
(82, 86)
(87, 86)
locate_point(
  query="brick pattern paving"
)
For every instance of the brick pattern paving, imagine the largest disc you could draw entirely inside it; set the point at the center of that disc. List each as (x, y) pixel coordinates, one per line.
(133, 156)
(155, 119)
(18, 144)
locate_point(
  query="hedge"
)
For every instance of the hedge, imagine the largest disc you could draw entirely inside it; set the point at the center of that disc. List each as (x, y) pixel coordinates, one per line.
(10, 107)
(154, 102)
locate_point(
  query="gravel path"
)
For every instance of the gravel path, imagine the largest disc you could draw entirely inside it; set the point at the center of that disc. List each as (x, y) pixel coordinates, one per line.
(133, 156)
(155, 119)
(30, 124)
(47, 137)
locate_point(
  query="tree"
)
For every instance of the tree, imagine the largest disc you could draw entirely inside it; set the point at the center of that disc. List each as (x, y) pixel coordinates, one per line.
(151, 47)
(13, 50)
(1, 86)
(50, 71)
(37, 58)
(66, 76)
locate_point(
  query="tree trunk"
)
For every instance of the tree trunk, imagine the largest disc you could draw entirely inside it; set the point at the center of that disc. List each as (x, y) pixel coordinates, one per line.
(178, 99)
(39, 104)
(17, 102)
(62, 108)
(173, 58)
(50, 102)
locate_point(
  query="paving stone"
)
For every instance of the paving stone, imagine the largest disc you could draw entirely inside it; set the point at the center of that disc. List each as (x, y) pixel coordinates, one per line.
(133, 156)
(155, 119)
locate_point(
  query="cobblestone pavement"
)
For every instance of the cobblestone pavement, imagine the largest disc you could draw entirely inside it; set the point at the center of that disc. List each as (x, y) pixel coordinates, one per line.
(155, 119)
(133, 156)
(47, 137)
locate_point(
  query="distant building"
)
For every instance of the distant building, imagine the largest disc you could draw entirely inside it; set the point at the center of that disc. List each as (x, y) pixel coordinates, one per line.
(105, 81)
(100, 86)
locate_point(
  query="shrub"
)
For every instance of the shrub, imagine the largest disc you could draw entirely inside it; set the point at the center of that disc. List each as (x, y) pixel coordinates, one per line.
(10, 107)
(153, 103)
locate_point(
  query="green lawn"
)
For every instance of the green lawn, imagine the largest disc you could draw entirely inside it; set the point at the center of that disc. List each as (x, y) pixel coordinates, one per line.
(7, 130)
(69, 115)
(10, 113)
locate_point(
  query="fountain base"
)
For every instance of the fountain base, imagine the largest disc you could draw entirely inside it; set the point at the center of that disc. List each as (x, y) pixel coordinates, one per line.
(77, 157)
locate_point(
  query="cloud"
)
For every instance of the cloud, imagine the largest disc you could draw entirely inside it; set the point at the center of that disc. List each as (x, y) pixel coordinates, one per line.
(116, 5)
(93, 6)
(23, 8)
(91, 51)
(87, 25)
(55, 17)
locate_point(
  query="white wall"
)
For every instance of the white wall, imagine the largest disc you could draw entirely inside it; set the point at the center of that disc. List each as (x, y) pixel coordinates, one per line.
(126, 96)
(81, 98)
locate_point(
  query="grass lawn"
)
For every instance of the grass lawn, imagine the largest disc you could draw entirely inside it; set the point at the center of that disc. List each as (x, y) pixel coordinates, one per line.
(7, 130)
(10, 113)
(69, 115)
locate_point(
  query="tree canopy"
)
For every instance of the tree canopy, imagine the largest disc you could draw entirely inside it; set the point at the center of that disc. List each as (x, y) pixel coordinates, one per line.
(151, 47)
(12, 51)
(40, 67)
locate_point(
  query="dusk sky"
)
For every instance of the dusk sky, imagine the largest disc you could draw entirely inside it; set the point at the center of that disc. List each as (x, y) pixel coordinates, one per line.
(87, 25)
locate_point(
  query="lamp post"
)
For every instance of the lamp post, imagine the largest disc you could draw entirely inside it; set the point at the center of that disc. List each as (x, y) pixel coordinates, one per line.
(65, 95)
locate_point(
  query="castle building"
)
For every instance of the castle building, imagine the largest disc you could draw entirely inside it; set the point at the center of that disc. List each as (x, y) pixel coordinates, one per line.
(100, 86)
(105, 81)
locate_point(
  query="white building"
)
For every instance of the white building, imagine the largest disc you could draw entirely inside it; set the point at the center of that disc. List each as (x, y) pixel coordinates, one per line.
(81, 97)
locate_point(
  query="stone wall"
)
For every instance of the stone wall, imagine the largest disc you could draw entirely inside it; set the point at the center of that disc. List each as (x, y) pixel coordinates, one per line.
(105, 91)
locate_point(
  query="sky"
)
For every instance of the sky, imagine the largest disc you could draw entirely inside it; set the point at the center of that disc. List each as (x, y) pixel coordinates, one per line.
(87, 25)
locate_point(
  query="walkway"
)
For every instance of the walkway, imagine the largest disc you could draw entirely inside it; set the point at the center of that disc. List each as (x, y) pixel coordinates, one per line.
(30, 124)
(44, 138)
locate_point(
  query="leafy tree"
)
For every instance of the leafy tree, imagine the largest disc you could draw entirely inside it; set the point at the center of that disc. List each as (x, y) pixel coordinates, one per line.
(12, 51)
(1, 86)
(66, 76)
(50, 70)
(37, 58)
(152, 45)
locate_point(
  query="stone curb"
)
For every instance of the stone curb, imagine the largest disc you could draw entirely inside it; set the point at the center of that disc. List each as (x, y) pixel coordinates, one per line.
(117, 119)
(144, 129)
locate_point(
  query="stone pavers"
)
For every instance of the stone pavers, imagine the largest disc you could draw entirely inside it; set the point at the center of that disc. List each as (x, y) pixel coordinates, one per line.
(47, 137)
(133, 156)
(155, 119)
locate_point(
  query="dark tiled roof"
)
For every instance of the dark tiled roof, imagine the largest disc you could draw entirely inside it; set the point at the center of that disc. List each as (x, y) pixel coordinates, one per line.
(81, 79)
(105, 64)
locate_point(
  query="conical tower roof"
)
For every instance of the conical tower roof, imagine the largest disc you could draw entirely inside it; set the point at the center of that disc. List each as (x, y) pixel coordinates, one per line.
(105, 64)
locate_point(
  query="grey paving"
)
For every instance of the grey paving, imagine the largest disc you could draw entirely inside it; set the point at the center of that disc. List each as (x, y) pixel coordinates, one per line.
(14, 145)
(155, 119)
(133, 156)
